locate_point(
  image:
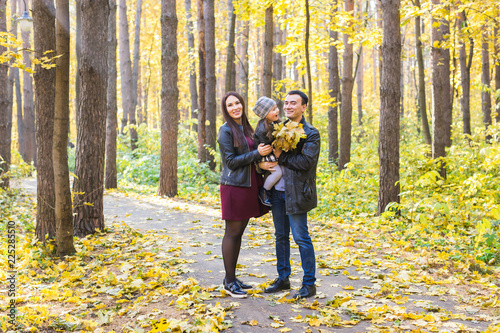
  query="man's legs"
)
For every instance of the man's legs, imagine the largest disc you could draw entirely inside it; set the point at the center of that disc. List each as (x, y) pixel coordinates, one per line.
(300, 232)
(282, 234)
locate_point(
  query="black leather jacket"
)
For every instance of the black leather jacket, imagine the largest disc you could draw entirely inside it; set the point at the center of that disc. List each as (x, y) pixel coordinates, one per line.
(236, 161)
(299, 172)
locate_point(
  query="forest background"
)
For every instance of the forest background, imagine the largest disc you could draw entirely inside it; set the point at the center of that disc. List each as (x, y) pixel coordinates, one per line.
(429, 114)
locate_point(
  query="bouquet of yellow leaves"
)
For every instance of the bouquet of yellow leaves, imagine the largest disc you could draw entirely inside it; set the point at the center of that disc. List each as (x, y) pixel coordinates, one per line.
(287, 136)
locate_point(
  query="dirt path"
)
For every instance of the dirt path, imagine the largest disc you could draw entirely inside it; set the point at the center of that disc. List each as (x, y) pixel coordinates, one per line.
(381, 282)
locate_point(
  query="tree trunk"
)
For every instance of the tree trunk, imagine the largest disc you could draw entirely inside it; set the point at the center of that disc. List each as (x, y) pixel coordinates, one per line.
(91, 124)
(211, 79)
(193, 92)
(44, 21)
(359, 87)
(167, 185)
(28, 110)
(126, 74)
(497, 71)
(202, 83)
(334, 89)
(422, 106)
(278, 72)
(448, 115)
(465, 74)
(63, 205)
(485, 80)
(389, 106)
(438, 92)
(5, 110)
(230, 84)
(346, 105)
(243, 60)
(267, 77)
(308, 65)
(78, 42)
(135, 77)
(112, 108)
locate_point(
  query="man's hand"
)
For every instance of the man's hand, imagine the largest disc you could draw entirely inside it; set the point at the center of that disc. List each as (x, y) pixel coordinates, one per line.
(269, 166)
(264, 149)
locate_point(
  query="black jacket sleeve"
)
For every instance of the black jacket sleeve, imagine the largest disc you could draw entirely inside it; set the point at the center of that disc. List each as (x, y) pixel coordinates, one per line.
(234, 159)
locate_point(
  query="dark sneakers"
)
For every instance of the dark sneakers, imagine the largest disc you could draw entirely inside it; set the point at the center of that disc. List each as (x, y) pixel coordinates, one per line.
(307, 290)
(243, 285)
(234, 289)
(265, 197)
(278, 285)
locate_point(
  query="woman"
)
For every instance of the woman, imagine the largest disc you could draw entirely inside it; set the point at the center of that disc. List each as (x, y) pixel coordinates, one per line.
(239, 184)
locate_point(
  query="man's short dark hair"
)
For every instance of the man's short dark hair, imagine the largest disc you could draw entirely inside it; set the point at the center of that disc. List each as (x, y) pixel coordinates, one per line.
(302, 95)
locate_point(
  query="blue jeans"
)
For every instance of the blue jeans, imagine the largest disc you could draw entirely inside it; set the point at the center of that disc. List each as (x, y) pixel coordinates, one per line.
(298, 224)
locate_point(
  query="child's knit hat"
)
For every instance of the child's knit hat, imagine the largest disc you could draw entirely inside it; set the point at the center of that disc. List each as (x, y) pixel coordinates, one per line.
(263, 106)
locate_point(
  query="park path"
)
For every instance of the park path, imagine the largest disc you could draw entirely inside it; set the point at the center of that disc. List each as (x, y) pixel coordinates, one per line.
(198, 230)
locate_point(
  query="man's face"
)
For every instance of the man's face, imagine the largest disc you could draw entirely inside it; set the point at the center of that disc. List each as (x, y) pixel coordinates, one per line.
(294, 108)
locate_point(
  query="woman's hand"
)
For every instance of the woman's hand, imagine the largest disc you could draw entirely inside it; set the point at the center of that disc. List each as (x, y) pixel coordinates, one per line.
(264, 150)
(269, 166)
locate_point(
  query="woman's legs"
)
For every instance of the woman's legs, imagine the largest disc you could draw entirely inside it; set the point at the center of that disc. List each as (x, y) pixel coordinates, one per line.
(231, 244)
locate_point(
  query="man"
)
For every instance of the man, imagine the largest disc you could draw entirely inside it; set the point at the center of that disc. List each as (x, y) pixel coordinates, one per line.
(292, 197)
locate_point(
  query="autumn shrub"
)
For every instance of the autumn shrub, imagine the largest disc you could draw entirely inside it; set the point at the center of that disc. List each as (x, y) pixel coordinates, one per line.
(142, 166)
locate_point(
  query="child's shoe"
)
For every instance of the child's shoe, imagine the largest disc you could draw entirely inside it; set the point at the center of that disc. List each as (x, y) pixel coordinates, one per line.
(265, 196)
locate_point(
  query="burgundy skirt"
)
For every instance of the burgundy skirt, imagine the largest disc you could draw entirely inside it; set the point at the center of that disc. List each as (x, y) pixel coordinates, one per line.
(241, 203)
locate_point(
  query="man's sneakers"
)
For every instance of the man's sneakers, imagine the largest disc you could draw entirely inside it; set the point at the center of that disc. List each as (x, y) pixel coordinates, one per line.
(235, 288)
(278, 285)
(265, 197)
(307, 290)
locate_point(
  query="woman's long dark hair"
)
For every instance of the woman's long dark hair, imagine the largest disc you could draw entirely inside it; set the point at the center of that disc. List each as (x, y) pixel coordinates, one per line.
(239, 138)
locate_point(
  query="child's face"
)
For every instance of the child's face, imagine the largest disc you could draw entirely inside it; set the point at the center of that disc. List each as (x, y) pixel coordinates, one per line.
(273, 114)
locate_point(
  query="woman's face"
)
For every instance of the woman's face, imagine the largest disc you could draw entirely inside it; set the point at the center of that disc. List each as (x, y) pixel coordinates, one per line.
(273, 114)
(234, 108)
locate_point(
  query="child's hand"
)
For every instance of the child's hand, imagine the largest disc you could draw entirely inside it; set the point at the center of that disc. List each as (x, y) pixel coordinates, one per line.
(264, 149)
(277, 152)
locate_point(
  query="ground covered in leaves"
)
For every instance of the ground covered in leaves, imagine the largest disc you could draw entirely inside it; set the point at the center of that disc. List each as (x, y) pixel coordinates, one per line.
(132, 280)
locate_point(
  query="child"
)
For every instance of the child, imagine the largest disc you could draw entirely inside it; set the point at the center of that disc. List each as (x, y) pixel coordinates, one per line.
(268, 112)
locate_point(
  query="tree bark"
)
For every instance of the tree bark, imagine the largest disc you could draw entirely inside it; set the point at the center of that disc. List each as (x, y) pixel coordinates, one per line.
(29, 150)
(497, 71)
(202, 82)
(278, 72)
(63, 205)
(334, 89)
(126, 74)
(346, 105)
(448, 115)
(112, 108)
(5, 110)
(167, 185)
(438, 92)
(308, 65)
(193, 92)
(267, 77)
(389, 106)
(91, 124)
(135, 77)
(485, 80)
(78, 46)
(465, 73)
(44, 21)
(243, 60)
(211, 79)
(230, 84)
(422, 106)
(359, 87)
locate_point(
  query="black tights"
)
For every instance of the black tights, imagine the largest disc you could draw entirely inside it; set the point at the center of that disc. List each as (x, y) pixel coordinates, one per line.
(231, 244)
